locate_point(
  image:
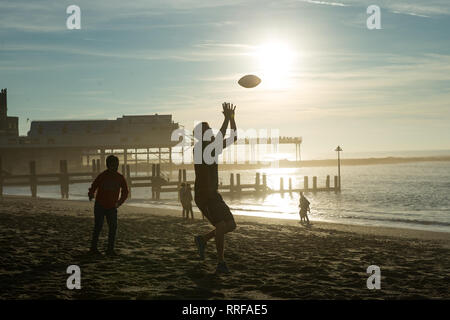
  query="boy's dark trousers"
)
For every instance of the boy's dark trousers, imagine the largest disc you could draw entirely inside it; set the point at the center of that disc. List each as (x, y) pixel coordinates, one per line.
(111, 218)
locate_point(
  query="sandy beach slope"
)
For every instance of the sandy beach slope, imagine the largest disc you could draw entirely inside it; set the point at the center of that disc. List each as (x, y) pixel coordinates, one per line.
(269, 259)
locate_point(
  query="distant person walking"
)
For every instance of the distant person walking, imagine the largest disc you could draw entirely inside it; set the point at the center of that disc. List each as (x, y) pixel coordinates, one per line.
(181, 194)
(207, 197)
(106, 188)
(304, 208)
(188, 201)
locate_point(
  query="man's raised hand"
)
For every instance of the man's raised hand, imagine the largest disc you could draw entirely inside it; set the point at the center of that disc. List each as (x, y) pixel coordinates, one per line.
(228, 110)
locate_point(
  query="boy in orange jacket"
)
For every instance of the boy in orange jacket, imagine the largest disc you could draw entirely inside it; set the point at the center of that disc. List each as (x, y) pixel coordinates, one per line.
(108, 185)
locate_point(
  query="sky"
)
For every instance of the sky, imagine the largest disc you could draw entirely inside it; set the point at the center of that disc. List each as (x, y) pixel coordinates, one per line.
(325, 76)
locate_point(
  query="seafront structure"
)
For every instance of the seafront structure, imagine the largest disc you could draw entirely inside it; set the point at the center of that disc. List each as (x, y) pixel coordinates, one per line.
(138, 140)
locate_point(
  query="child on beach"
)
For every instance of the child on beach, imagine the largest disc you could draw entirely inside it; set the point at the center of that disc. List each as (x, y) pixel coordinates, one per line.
(207, 197)
(106, 188)
(304, 208)
(188, 201)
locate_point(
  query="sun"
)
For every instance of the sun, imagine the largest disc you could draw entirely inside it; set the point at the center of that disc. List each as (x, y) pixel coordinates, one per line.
(276, 62)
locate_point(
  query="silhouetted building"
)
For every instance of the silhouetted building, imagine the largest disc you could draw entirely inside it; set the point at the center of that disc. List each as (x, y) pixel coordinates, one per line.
(128, 131)
(9, 126)
(81, 141)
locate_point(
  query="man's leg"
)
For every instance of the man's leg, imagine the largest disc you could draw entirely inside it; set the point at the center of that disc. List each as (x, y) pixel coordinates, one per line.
(111, 219)
(98, 224)
(220, 240)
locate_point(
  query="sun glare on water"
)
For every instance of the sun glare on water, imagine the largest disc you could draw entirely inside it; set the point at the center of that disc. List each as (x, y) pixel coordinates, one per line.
(276, 62)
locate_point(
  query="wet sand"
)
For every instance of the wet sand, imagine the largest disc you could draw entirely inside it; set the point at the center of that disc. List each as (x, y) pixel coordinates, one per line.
(269, 258)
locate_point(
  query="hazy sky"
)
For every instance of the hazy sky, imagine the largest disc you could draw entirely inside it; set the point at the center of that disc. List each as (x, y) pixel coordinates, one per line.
(325, 76)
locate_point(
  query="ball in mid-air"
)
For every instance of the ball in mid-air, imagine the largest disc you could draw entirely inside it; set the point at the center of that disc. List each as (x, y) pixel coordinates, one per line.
(249, 81)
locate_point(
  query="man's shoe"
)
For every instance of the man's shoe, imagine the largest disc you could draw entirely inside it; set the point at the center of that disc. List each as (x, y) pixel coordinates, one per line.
(222, 268)
(201, 246)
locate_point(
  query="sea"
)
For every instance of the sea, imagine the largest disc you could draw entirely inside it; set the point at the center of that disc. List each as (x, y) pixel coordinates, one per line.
(413, 195)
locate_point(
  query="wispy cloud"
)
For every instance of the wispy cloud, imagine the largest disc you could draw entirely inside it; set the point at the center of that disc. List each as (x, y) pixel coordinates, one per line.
(336, 4)
(176, 54)
(411, 14)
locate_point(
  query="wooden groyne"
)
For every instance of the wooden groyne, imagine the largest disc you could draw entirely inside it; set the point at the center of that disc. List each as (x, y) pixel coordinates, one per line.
(157, 181)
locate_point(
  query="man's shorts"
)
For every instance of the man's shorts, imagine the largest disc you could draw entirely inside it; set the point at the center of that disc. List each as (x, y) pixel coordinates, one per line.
(214, 208)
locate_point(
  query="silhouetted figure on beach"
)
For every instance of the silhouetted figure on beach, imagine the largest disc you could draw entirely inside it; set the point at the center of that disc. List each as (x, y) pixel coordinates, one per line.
(188, 201)
(181, 193)
(304, 208)
(106, 188)
(207, 197)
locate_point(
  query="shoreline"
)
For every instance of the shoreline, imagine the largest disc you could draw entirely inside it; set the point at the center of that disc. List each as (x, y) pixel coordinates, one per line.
(338, 225)
(407, 233)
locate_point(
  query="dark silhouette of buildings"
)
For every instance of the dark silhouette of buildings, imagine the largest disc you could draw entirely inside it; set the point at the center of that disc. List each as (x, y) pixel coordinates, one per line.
(9, 126)
(81, 141)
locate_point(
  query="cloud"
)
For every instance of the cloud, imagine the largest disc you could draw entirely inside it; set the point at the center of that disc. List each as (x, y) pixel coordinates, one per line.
(336, 4)
(176, 54)
(412, 14)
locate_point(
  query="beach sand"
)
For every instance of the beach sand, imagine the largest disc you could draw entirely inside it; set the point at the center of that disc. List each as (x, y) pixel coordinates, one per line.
(269, 258)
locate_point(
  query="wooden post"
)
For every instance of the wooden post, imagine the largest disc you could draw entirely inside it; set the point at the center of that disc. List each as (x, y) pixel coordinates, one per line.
(64, 179)
(136, 162)
(61, 178)
(231, 183)
(281, 184)
(66, 170)
(128, 181)
(102, 158)
(328, 182)
(170, 162)
(148, 162)
(265, 182)
(314, 183)
(94, 169)
(238, 184)
(98, 166)
(257, 182)
(153, 181)
(1, 178)
(179, 183)
(158, 179)
(336, 188)
(184, 175)
(33, 180)
(290, 184)
(305, 182)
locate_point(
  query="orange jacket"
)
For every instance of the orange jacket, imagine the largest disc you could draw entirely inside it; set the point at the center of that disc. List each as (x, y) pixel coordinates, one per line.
(108, 184)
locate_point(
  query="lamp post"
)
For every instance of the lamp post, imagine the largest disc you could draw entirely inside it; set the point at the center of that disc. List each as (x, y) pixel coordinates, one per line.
(338, 150)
